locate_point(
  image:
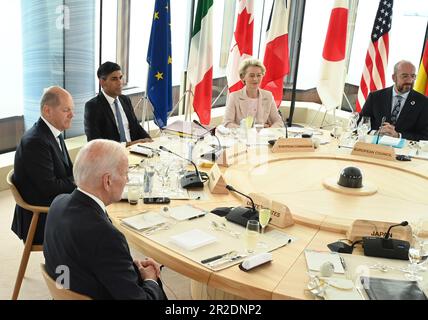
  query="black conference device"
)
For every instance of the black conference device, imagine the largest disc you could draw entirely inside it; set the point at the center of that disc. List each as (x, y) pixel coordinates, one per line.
(191, 179)
(214, 154)
(241, 215)
(386, 247)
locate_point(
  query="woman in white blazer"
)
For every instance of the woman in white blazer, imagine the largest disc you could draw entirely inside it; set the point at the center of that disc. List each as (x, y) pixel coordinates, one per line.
(251, 100)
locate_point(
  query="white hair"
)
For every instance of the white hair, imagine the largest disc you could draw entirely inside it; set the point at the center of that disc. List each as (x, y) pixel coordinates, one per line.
(97, 158)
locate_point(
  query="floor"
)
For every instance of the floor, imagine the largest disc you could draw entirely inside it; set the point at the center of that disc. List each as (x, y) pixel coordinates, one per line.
(33, 287)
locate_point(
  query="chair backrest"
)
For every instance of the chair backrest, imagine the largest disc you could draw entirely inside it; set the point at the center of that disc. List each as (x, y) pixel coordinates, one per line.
(18, 198)
(57, 291)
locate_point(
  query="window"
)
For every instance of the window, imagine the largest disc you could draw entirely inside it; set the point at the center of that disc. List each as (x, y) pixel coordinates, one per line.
(11, 54)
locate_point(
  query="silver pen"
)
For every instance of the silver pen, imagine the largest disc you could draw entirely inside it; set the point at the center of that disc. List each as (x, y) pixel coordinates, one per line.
(342, 261)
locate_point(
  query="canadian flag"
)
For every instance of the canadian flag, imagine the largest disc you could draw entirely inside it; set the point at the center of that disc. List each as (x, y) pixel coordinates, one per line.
(332, 75)
(276, 52)
(242, 43)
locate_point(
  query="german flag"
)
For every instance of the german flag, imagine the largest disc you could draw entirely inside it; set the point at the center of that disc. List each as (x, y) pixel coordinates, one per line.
(421, 84)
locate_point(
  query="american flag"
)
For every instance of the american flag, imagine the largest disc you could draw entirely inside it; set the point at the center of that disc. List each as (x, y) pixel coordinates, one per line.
(373, 77)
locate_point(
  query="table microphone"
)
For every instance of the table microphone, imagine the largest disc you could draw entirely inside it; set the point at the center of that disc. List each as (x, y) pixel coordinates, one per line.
(190, 179)
(241, 215)
(403, 224)
(215, 153)
(381, 125)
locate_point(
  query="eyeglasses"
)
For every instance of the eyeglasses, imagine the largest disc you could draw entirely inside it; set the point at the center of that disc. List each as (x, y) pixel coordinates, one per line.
(406, 76)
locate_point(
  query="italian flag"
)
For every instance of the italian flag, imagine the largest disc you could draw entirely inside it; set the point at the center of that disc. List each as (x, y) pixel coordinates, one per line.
(200, 65)
(242, 44)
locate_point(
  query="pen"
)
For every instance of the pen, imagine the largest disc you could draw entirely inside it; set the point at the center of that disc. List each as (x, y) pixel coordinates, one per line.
(342, 261)
(201, 215)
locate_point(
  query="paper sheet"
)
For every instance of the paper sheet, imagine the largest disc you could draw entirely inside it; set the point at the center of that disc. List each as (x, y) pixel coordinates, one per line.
(315, 259)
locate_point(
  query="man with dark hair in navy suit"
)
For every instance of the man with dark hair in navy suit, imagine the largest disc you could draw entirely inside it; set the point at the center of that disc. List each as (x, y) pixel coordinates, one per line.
(43, 168)
(405, 110)
(110, 114)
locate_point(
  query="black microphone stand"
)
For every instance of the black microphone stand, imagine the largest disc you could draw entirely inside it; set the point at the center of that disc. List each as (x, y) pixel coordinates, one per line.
(215, 153)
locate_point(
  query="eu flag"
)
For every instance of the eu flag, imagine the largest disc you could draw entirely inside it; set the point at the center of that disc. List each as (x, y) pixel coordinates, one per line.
(159, 84)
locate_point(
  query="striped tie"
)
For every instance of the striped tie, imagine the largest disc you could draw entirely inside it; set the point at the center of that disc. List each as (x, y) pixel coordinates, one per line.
(396, 110)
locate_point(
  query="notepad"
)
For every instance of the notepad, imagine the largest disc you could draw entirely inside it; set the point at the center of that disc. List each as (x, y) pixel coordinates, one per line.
(389, 141)
(315, 259)
(185, 212)
(144, 220)
(193, 239)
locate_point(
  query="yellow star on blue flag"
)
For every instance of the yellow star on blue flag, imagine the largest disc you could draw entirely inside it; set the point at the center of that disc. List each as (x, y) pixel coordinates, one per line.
(159, 58)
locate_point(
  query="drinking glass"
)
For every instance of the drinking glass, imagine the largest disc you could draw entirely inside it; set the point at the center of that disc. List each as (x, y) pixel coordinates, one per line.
(258, 126)
(133, 194)
(418, 251)
(251, 235)
(264, 218)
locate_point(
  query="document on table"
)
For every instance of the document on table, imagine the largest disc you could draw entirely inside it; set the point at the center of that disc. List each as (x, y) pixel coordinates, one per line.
(315, 259)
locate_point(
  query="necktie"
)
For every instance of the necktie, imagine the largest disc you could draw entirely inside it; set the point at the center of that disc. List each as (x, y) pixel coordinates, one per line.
(396, 110)
(63, 149)
(119, 122)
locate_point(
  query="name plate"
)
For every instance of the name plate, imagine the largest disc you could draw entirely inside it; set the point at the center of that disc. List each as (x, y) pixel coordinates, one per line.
(293, 145)
(373, 151)
(217, 183)
(229, 155)
(281, 215)
(364, 228)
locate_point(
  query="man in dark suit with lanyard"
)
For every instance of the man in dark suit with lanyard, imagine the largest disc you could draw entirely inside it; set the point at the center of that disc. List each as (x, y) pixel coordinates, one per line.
(405, 111)
(110, 115)
(43, 168)
(82, 248)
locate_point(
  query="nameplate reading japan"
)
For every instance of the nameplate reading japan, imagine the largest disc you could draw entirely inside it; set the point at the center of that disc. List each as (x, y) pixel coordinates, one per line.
(229, 155)
(373, 151)
(293, 145)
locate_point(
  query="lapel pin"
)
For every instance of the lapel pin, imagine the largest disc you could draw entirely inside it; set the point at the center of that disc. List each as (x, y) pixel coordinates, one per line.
(412, 103)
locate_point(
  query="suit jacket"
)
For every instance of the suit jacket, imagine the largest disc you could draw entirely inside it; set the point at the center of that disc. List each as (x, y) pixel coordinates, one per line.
(413, 120)
(100, 122)
(237, 106)
(40, 174)
(79, 235)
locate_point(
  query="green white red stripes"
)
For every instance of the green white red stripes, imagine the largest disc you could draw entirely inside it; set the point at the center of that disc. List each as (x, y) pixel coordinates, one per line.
(200, 65)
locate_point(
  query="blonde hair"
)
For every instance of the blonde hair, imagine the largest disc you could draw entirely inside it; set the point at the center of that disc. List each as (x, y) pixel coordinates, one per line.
(250, 62)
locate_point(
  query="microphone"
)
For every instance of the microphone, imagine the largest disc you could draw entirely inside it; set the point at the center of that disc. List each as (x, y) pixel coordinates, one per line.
(190, 179)
(230, 188)
(403, 224)
(381, 125)
(215, 153)
(241, 215)
(285, 124)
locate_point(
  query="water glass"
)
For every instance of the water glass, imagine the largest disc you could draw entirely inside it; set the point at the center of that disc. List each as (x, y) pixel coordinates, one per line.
(133, 194)
(251, 235)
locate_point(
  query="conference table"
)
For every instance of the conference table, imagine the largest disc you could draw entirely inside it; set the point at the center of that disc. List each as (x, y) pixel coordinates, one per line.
(321, 216)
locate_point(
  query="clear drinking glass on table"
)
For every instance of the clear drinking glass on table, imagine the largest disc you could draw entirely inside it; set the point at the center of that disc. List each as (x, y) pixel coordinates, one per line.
(418, 251)
(251, 235)
(265, 213)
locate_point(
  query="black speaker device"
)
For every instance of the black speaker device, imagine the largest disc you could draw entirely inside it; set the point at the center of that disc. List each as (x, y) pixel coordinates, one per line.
(386, 248)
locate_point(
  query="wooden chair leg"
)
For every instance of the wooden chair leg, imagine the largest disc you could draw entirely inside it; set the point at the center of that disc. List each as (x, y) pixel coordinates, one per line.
(25, 255)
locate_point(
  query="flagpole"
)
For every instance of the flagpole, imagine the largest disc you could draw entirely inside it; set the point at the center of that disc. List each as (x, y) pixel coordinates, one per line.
(296, 67)
(261, 30)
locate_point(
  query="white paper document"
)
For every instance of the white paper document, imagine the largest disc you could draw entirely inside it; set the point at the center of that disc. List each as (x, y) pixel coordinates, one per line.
(144, 220)
(192, 239)
(185, 212)
(315, 259)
